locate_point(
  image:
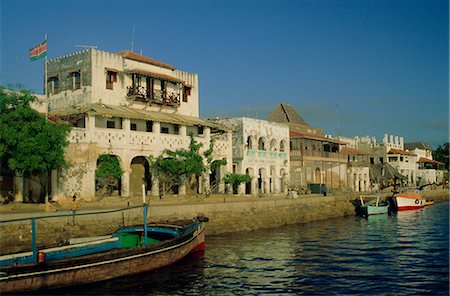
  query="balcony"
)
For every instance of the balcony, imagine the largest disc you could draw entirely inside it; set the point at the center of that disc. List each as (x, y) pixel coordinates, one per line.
(304, 154)
(142, 94)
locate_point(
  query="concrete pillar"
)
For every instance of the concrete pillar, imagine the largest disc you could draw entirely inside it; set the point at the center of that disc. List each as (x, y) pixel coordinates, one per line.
(182, 189)
(18, 187)
(207, 132)
(125, 192)
(206, 186)
(54, 183)
(254, 185)
(241, 189)
(90, 127)
(126, 124)
(266, 185)
(155, 187)
(182, 130)
(221, 183)
(156, 127)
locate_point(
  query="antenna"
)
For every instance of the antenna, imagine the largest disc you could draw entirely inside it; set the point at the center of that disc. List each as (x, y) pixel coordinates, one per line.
(87, 46)
(132, 37)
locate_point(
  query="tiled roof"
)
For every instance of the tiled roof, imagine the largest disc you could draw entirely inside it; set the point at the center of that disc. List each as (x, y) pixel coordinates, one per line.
(155, 75)
(131, 113)
(143, 59)
(401, 152)
(420, 145)
(426, 160)
(312, 136)
(348, 150)
(285, 113)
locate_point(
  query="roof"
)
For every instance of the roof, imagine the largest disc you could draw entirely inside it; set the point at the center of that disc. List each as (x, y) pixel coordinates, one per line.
(143, 59)
(383, 172)
(155, 75)
(131, 113)
(312, 136)
(285, 113)
(401, 152)
(426, 160)
(417, 145)
(348, 150)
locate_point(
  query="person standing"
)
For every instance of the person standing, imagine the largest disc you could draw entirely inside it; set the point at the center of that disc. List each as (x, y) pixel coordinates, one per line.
(324, 190)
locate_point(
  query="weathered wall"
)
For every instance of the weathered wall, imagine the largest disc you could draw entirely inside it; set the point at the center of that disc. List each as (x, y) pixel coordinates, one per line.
(224, 216)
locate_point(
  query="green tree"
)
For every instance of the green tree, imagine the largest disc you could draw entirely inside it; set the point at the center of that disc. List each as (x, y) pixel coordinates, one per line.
(175, 168)
(29, 143)
(442, 154)
(108, 173)
(236, 179)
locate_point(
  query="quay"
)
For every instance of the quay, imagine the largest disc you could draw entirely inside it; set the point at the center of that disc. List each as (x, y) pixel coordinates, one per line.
(226, 213)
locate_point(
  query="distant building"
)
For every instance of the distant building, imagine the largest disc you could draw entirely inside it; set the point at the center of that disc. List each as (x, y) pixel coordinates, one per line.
(315, 158)
(260, 150)
(429, 171)
(129, 106)
(358, 170)
(410, 164)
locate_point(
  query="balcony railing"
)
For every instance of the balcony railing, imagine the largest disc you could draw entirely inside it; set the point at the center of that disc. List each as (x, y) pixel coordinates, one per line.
(143, 94)
(321, 154)
(266, 154)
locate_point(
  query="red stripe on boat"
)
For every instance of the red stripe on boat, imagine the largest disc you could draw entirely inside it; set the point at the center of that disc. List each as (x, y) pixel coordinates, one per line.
(199, 247)
(409, 208)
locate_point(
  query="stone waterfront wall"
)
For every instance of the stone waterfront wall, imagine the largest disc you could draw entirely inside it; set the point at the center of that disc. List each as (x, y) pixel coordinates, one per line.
(225, 215)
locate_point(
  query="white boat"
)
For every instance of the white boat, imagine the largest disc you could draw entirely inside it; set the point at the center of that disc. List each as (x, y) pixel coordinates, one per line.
(409, 201)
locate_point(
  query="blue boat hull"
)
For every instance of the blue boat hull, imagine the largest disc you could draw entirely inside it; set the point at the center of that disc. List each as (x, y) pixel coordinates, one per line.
(105, 265)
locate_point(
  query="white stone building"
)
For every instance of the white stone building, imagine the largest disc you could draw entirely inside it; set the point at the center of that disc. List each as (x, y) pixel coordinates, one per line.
(261, 150)
(129, 106)
(428, 171)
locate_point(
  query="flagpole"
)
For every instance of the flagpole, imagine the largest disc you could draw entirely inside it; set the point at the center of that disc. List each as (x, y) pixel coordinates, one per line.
(45, 74)
(47, 201)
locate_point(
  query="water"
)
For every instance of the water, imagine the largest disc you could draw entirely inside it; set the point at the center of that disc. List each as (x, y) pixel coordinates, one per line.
(403, 254)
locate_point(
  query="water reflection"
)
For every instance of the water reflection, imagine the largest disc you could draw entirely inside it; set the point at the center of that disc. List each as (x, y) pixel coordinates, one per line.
(401, 254)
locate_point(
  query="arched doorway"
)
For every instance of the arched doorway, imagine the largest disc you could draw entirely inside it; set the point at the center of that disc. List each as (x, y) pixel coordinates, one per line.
(108, 174)
(215, 177)
(248, 185)
(261, 182)
(272, 180)
(317, 176)
(140, 172)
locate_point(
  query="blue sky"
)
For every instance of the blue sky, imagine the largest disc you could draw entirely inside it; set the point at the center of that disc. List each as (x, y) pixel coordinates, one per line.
(351, 67)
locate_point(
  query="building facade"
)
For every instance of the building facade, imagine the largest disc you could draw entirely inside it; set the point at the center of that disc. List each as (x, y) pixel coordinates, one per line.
(129, 106)
(314, 158)
(260, 150)
(429, 171)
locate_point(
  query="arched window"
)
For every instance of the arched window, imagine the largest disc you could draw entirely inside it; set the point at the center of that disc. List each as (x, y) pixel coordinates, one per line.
(261, 144)
(282, 146)
(249, 143)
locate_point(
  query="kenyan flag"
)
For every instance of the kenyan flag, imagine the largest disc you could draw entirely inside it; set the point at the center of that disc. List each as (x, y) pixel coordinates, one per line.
(38, 51)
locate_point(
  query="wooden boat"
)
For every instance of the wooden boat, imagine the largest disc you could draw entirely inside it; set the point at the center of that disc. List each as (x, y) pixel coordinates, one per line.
(429, 203)
(131, 250)
(409, 201)
(374, 207)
